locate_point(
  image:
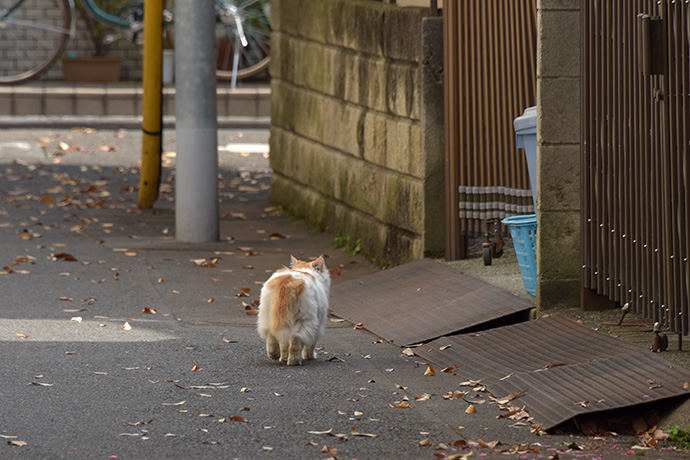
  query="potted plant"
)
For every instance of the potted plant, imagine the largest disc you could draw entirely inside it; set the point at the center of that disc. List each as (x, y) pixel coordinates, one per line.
(98, 66)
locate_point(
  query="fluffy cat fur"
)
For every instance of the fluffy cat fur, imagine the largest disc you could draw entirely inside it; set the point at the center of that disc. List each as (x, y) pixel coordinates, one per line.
(293, 310)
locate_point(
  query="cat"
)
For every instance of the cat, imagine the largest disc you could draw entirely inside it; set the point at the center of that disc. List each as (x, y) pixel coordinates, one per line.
(293, 309)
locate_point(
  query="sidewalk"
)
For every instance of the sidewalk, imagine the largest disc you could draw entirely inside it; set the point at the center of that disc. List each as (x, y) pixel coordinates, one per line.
(142, 347)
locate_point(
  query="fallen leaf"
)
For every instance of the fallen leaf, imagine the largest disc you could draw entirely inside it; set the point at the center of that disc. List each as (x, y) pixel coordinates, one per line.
(222, 337)
(267, 448)
(471, 409)
(23, 336)
(321, 432)
(196, 368)
(359, 326)
(445, 347)
(408, 352)
(430, 371)
(488, 445)
(237, 418)
(39, 384)
(402, 405)
(335, 271)
(204, 262)
(450, 369)
(16, 442)
(354, 432)
(66, 299)
(76, 319)
(245, 390)
(251, 312)
(424, 397)
(64, 256)
(510, 397)
(174, 404)
(336, 320)
(424, 442)
(149, 311)
(126, 326)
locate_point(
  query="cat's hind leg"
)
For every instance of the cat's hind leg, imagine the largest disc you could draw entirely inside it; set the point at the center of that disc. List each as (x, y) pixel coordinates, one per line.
(308, 352)
(295, 351)
(272, 347)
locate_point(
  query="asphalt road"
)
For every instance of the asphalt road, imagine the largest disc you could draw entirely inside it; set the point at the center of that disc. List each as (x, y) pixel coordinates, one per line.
(141, 347)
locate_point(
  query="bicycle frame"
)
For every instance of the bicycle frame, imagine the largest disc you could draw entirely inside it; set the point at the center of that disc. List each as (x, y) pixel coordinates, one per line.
(111, 20)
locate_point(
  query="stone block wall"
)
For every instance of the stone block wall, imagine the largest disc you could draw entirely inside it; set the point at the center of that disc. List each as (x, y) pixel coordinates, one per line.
(351, 123)
(558, 146)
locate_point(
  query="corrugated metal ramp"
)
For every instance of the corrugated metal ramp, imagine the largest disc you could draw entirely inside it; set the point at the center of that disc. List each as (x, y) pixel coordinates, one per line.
(566, 368)
(423, 300)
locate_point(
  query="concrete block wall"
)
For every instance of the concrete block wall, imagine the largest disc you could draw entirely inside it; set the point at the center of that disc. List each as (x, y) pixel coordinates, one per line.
(558, 144)
(348, 125)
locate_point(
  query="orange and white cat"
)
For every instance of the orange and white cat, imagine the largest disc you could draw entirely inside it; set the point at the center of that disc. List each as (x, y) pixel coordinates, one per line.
(293, 310)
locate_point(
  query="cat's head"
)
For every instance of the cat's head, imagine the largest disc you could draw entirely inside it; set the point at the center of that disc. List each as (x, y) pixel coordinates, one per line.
(318, 265)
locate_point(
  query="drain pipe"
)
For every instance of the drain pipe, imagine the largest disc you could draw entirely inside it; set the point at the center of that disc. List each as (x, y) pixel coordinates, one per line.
(196, 177)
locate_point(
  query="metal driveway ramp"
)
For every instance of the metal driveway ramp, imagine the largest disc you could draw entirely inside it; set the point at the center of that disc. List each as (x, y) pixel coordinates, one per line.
(565, 368)
(423, 300)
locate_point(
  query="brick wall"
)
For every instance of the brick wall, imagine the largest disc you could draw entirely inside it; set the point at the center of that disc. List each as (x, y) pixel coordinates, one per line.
(352, 142)
(80, 45)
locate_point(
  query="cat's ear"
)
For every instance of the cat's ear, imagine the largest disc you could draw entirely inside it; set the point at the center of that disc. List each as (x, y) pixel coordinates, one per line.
(293, 261)
(319, 264)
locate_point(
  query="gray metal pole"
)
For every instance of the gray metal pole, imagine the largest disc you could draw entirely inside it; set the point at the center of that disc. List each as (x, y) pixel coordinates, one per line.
(196, 178)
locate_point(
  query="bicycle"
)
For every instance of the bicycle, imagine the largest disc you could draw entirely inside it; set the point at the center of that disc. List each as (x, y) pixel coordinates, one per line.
(35, 33)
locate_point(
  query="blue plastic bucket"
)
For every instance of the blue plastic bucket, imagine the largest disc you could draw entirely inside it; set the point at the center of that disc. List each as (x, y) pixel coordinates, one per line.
(523, 229)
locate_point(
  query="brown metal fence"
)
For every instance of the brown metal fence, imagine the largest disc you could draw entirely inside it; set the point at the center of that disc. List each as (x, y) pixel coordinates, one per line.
(490, 78)
(636, 134)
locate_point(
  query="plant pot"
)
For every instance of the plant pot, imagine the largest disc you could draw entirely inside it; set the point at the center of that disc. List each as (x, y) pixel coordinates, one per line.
(93, 69)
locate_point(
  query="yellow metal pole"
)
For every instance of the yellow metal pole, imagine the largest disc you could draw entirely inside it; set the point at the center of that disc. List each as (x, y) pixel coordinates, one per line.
(152, 125)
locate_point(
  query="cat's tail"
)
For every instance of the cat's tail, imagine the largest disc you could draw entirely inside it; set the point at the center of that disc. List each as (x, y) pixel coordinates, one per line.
(286, 291)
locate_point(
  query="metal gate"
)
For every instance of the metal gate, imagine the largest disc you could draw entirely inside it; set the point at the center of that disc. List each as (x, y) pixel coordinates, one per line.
(635, 146)
(490, 78)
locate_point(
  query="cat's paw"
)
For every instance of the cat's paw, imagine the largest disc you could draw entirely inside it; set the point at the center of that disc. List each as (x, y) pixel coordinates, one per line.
(294, 361)
(308, 354)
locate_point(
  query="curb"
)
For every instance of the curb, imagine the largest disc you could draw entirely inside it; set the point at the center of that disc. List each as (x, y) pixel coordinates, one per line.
(118, 122)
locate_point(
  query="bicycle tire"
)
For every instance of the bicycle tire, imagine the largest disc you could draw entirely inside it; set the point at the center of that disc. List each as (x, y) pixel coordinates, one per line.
(255, 57)
(30, 43)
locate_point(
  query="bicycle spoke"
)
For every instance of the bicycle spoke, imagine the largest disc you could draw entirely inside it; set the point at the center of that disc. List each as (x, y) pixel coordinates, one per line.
(255, 29)
(33, 35)
(37, 25)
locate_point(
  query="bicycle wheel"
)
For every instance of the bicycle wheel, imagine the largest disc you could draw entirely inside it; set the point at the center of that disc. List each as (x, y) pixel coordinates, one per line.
(33, 35)
(235, 20)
